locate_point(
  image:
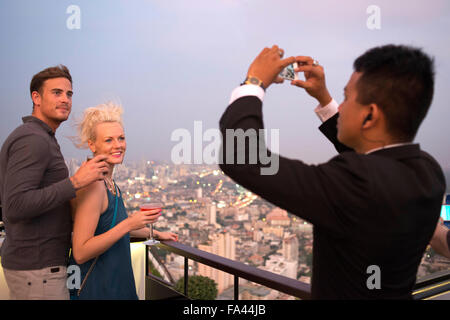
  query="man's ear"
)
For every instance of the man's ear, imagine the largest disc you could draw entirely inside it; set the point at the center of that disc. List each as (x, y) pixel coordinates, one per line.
(373, 115)
(36, 97)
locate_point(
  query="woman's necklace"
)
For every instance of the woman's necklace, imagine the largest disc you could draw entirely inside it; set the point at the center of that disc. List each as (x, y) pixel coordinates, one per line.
(111, 185)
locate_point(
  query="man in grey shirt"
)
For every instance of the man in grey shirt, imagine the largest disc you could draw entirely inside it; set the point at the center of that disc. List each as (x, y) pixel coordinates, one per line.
(35, 192)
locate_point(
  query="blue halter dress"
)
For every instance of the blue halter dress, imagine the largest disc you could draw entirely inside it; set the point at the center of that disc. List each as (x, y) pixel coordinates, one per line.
(112, 276)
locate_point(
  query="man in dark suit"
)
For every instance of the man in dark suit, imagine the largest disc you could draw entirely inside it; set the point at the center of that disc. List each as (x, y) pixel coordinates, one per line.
(375, 206)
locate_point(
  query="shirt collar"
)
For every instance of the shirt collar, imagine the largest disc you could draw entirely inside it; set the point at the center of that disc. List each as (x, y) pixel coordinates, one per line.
(390, 146)
(41, 123)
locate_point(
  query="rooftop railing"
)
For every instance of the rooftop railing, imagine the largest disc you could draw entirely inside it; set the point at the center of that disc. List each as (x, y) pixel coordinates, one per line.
(427, 288)
(237, 269)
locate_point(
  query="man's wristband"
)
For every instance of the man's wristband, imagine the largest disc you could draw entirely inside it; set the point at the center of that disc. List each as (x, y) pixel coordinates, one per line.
(253, 80)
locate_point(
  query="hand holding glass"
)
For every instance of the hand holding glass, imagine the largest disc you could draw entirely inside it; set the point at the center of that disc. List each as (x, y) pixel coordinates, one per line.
(147, 207)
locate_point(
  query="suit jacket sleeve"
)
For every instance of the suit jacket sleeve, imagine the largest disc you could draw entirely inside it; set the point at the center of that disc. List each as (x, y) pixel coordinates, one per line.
(319, 194)
(329, 129)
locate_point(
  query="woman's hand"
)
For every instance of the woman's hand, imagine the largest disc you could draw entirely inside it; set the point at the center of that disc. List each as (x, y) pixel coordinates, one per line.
(140, 219)
(165, 235)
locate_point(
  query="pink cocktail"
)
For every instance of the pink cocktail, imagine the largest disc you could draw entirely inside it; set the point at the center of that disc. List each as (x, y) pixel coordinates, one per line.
(147, 207)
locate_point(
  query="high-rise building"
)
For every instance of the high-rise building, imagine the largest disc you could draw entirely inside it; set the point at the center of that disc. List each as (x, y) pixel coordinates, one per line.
(199, 193)
(149, 172)
(211, 214)
(224, 245)
(182, 171)
(279, 265)
(290, 248)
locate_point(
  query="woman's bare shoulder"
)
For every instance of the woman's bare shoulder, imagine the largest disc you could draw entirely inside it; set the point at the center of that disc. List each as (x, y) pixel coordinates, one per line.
(93, 190)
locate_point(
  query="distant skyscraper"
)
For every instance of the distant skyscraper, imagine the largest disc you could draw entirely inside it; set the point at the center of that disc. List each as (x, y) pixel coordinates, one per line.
(211, 214)
(224, 245)
(290, 248)
(149, 172)
(279, 265)
(182, 171)
(199, 193)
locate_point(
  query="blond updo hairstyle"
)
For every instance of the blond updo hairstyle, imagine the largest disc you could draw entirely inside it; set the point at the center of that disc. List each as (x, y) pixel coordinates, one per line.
(107, 112)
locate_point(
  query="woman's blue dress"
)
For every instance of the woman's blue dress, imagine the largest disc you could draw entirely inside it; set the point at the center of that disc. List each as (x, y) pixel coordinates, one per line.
(112, 276)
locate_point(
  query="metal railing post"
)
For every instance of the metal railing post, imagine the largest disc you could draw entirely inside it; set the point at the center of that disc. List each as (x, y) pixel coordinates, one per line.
(186, 275)
(146, 288)
(236, 287)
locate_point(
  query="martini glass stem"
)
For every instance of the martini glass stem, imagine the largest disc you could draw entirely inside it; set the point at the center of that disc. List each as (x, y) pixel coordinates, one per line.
(151, 231)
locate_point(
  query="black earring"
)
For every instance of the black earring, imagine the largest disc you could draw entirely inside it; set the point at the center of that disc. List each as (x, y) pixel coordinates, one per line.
(369, 117)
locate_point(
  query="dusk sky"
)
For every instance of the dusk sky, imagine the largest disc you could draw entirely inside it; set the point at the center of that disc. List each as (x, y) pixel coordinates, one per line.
(170, 63)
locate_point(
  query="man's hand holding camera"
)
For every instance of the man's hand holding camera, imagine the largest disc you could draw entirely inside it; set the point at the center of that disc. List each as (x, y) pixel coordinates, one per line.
(268, 65)
(314, 83)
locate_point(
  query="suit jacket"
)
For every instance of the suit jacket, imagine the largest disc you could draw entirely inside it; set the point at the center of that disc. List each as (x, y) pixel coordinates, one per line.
(369, 211)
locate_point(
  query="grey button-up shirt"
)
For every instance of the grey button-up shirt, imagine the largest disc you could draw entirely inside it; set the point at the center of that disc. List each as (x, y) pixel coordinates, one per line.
(35, 193)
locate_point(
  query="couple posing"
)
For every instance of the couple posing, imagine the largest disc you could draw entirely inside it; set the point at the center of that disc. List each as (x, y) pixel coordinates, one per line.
(41, 203)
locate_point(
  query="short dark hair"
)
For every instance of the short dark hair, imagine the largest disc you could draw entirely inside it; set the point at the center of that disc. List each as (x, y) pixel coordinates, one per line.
(400, 80)
(59, 71)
